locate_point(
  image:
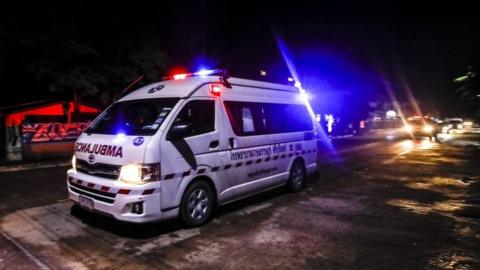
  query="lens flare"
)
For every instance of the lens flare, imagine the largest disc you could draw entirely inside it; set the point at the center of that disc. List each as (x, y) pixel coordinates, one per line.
(408, 128)
(428, 128)
(294, 75)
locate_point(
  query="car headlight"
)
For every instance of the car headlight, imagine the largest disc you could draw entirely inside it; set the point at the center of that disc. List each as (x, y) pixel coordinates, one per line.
(139, 173)
(408, 128)
(74, 164)
(428, 128)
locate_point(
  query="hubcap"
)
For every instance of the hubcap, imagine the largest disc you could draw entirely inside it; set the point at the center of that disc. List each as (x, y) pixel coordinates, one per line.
(297, 176)
(198, 204)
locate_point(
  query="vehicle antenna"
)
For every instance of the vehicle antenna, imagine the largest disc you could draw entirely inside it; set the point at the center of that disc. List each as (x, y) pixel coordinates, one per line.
(130, 86)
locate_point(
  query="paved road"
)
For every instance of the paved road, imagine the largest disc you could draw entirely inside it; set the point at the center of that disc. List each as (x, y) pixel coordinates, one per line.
(386, 205)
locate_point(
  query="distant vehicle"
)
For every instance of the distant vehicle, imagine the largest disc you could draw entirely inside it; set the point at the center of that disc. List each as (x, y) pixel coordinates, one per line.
(422, 127)
(452, 125)
(470, 126)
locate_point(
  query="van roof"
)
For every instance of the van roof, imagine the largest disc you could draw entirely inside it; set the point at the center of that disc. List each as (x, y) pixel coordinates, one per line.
(185, 87)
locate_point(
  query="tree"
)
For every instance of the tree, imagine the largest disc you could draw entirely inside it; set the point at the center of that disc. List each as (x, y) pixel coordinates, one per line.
(468, 91)
(56, 52)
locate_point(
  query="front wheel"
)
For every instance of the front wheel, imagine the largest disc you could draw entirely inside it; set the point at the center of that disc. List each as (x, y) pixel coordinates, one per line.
(197, 204)
(297, 178)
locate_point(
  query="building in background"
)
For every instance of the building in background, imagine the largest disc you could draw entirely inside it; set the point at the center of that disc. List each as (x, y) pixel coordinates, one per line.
(42, 129)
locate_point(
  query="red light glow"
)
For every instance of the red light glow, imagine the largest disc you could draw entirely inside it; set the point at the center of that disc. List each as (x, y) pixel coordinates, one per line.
(15, 119)
(215, 89)
(180, 76)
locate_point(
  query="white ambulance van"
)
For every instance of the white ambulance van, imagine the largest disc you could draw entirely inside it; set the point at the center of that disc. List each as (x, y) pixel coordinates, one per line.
(179, 148)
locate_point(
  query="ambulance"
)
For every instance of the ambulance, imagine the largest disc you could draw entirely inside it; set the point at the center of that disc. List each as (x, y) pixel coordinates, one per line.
(179, 148)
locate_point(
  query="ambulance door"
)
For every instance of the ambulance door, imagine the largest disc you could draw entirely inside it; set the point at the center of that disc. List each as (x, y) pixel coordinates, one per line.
(245, 148)
(190, 147)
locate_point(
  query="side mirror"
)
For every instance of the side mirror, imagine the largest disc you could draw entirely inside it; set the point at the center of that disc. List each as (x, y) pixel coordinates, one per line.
(179, 131)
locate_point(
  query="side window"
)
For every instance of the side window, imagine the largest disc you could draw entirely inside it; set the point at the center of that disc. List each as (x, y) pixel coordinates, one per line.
(199, 114)
(277, 118)
(299, 118)
(282, 118)
(253, 118)
(246, 118)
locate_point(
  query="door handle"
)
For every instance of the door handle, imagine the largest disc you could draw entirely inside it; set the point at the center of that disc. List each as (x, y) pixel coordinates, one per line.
(231, 142)
(213, 144)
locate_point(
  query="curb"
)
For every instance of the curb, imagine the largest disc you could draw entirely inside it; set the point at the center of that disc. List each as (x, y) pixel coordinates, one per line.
(45, 165)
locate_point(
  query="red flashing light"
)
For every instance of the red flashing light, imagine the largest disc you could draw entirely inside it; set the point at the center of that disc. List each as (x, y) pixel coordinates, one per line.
(215, 89)
(180, 76)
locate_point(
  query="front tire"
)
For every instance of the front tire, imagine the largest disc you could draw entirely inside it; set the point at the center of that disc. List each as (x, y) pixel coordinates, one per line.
(297, 177)
(197, 204)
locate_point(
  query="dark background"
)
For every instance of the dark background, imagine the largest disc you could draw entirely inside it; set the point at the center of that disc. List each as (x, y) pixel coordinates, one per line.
(346, 53)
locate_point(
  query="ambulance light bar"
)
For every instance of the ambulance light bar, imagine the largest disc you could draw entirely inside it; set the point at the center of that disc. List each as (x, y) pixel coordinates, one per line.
(200, 73)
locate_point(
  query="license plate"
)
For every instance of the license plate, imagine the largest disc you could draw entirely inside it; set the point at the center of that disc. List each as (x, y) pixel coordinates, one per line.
(85, 202)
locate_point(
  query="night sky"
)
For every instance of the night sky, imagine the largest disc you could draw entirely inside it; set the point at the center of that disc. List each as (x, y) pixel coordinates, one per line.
(344, 52)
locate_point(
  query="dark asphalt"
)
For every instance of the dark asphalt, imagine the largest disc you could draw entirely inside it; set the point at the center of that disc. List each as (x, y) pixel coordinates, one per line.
(380, 204)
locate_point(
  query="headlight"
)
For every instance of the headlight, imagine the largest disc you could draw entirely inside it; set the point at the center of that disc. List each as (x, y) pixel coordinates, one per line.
(428, 128)
(408, 128)
(139, 174)
(74, 164)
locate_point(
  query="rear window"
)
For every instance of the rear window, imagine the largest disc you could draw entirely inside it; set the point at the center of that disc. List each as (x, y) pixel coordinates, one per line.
(134, 117)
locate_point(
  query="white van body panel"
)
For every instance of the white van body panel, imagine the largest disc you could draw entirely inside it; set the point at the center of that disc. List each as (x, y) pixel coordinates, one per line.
(107, 149)
(236, 167)
(183, 88)
(177, 171)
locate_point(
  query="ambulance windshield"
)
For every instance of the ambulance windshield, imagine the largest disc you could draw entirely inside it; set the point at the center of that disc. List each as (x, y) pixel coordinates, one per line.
(134, 117)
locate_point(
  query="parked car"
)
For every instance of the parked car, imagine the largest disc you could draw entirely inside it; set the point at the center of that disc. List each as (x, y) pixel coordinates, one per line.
(452, 125)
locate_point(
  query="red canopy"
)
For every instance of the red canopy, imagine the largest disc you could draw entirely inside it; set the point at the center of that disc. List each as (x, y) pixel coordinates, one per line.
(54, 109)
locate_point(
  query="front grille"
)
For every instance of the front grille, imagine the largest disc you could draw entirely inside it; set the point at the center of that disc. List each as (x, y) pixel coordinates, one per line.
(98, 169)
(92, 193)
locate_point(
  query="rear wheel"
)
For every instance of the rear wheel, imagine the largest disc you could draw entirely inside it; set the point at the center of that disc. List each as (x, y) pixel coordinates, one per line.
(197, 204)
(297, 178)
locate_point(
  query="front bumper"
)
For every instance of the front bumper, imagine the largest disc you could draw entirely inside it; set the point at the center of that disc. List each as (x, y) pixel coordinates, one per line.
(117, 199)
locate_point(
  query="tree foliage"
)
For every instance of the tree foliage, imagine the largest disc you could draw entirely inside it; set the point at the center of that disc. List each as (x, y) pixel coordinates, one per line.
(58, 54)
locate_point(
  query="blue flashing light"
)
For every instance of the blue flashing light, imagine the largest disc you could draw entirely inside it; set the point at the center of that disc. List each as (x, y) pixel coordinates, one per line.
(295, 78)
(304, 97)
(205, 72)
(120, 137)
